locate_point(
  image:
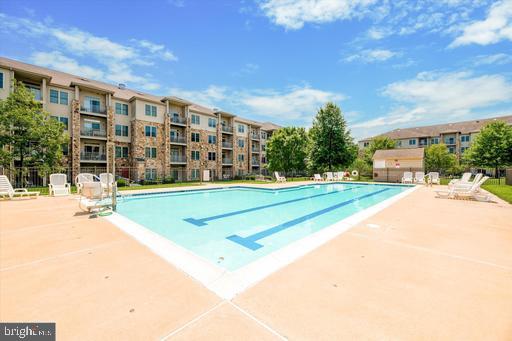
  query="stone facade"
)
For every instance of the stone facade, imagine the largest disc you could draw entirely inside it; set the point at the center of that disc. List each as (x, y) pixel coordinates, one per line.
(74, 151)
(139, 144)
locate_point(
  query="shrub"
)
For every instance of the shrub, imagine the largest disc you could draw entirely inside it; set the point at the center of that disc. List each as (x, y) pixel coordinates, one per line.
(122, 183)
(168, 180)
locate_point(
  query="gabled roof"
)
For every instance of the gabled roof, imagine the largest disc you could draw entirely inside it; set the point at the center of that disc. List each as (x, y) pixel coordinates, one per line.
(399, 153)
(464, 127)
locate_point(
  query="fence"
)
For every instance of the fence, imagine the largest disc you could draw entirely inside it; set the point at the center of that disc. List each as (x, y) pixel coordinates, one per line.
(392, 174)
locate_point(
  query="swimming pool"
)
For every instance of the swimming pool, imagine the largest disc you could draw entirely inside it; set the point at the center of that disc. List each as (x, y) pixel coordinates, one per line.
(233, 227)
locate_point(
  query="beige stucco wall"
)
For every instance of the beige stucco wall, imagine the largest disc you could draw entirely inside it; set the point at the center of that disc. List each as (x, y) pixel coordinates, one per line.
(140, 111)
(4, 92)
(203, 122)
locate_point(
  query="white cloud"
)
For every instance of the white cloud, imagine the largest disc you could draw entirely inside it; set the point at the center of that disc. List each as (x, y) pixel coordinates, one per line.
(496, 59)
(58, 61)
(371, 56)
(493, 29)
(433, 97)
(114, 61)
(297, 103)
(293, 14)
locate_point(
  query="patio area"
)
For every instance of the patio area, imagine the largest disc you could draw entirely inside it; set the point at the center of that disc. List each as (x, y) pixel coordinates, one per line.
(423, 268)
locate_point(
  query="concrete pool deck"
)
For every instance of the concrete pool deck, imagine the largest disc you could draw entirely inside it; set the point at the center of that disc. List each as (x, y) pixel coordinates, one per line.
(423, 268)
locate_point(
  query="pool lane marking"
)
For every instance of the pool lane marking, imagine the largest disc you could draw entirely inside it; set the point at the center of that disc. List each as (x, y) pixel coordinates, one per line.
(250, 242)
(202, 221)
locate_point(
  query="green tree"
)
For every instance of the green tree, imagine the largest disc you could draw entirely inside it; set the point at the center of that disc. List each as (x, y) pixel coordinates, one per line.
(331, 143)
(361, 166)
(439, 159)
(492, 147)
(377, 143)
(287, 149)
(28, 136)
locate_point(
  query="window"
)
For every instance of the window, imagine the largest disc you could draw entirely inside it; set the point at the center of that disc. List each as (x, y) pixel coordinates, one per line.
(241, 157)
(54, 96)
(195, 137)
(366, 144)
(464, 138)
(150, 174)
(434, 140)
(121, 130)
(194, 175)
(150, 131)
(212, 123)
(412, 142)
(463, 149)
(196, 119)
(122, 109)
(92, 104)
(150, 152)
(121, 152)
(264, 135)
(212, 156)
(241, 128)
(449, 140)
(65, 149)
(399, 143)
(64, 121)
(1, 80)
(263, 147)
(241, 143)
(63, 98)
(195, 155)
(451, 149)
(150, 110)
(35, 90)
(212, 139)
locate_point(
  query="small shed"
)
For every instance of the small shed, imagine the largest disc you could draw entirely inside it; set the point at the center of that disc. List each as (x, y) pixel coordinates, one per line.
(390, 164)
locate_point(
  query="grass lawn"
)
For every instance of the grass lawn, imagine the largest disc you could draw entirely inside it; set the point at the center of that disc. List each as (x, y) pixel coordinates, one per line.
(502, 191)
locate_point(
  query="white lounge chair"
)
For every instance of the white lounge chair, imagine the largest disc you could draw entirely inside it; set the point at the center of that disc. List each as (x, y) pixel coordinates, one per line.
(433, 178)
(59, 185)
(463, 191)
(339, 176)
(279, 178)
(407, 178)
(81, 179)
(317, 178)
(107, 181)
(92, 196)
(466, 184)
(329, 176)
(6, 190)
(465, 179)
(419, 177)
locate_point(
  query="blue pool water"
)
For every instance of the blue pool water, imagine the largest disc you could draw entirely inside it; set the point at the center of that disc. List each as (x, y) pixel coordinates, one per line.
(232, 227)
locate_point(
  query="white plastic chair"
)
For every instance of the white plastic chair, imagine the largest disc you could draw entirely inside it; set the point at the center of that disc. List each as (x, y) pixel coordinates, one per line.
(434, 178)
(59, 185)
(81, 179)
(463, 190)
(92, 196)
(279, 178)
(317, 178)
(329, 176)
(419, 177)
(107, 181)
(465, 179)
(407, 178)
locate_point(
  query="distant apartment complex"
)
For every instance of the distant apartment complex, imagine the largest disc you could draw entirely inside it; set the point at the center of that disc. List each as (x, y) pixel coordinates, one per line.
(456, 136)
(147, 136)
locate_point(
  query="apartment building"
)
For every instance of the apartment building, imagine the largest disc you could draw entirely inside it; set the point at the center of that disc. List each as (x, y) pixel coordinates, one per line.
(456, 136)
(145, 136)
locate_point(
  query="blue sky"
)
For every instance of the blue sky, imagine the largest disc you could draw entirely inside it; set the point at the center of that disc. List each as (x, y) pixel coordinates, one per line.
(388, 64)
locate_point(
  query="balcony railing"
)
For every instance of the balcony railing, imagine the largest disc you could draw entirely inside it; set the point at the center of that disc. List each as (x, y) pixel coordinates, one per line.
(95, 109)
(90, 156)
(227, 144)
(255, 136)
(178, 139)
(178, 158)
(227, 161)
(93, 132)
(255, 150)
(178, 120)
(255, 162)
(227, 129)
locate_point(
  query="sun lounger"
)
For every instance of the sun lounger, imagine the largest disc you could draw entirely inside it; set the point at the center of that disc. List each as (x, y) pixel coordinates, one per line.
(59, 185)
(329, 176)
(433, 178)
(463, 191)
(317, 178)
(279, 178)
(6, 190)
(407, 178)
(465, 179)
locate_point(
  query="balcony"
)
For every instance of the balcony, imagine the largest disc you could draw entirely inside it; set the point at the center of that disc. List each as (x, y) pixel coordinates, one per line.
(93, 133)
(178, 140)
(178, 120)
(178, 159)
(227, 161)
(227, 145)
(93, 109)
(227, 129)
(255, 136)
(255, 150)
(450, 141)
(255, 163)
(90, 156)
